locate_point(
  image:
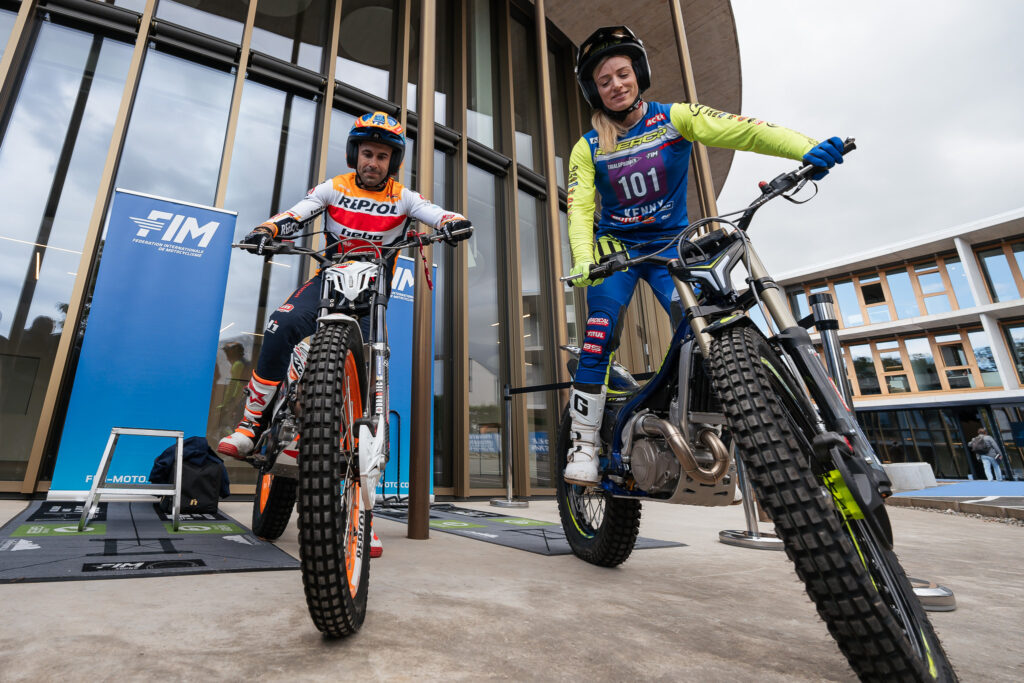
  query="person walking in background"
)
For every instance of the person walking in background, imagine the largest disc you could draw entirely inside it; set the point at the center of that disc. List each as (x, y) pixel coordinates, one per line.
(986, 448)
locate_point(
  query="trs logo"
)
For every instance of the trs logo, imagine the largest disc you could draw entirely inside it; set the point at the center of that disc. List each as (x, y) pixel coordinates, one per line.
(177, 229)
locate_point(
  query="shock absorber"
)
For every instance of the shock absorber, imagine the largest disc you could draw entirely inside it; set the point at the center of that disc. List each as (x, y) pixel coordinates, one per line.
(828, 327)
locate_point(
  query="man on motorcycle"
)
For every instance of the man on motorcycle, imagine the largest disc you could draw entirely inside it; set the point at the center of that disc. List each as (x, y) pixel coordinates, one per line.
(364, 209)
(637, 158)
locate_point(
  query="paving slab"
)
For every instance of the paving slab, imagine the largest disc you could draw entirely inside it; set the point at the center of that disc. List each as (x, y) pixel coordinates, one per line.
(454, 608)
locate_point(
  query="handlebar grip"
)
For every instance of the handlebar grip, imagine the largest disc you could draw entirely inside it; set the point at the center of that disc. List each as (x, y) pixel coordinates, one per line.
(849, 144)
(462, 234)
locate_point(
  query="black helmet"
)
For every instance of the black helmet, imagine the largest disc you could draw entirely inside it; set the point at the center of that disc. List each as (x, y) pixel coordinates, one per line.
(610, 40)
(377, 126)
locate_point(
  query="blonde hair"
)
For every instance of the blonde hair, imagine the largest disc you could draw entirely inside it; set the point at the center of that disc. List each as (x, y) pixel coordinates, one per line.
(608, 130)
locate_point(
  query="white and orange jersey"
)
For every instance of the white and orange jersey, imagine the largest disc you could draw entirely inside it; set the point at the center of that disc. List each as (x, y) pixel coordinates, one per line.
(356, 215)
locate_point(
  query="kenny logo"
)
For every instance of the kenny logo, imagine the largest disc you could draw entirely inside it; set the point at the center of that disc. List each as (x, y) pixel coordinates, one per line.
(178, 229)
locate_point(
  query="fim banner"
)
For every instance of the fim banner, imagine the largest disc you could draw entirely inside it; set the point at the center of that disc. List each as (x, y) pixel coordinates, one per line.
(395, 482)
(150, 343)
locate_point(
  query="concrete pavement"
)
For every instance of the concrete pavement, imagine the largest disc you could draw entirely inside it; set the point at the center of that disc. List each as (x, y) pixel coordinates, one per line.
(454, 608)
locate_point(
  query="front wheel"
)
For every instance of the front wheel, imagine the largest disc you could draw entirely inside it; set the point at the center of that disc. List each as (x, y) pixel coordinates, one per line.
(600, 529)
(857, 584)
(334, 527)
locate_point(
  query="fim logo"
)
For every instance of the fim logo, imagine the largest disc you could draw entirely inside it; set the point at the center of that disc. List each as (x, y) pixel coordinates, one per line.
(176, 228)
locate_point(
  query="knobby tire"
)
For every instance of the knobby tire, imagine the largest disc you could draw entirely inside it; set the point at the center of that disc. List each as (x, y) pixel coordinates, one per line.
(858, 587)
(334, 529)
(600, 529)
(272, 505)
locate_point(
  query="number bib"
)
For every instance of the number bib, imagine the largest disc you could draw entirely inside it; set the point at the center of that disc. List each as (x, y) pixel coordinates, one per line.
(638, 179)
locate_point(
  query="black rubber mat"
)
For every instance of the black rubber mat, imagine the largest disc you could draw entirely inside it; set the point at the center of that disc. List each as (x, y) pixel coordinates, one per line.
(522, 533)
(124, 540)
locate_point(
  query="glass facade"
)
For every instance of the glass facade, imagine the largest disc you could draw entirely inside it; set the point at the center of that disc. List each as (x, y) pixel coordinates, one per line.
(196, 130)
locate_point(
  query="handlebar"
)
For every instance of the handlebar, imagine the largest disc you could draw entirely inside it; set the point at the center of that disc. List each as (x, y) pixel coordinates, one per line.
(412, 239)
(769, 190)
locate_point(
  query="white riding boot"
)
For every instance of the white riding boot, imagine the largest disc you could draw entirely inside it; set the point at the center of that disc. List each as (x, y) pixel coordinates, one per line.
(239, 444)
(586, 411)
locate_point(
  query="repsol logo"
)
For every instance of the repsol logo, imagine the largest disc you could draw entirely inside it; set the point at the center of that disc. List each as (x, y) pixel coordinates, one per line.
(176, 228)
(368, 206)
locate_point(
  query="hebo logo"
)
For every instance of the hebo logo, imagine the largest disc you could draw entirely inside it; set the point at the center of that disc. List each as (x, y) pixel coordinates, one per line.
(173, 230)
(453, 524)
(57, 529)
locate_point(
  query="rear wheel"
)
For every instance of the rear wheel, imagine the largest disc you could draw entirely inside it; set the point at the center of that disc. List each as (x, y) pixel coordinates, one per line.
(334, 529)
(272, 505)
(600, 529)
(856, 583)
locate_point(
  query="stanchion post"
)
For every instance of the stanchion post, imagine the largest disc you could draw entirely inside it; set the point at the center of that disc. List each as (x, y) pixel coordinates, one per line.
(751, 537)
(506, 444)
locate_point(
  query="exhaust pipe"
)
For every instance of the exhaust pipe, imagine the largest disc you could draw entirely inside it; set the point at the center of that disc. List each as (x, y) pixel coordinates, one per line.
(652, 425)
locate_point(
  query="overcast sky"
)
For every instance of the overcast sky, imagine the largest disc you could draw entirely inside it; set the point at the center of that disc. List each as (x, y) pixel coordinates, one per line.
(932, 91)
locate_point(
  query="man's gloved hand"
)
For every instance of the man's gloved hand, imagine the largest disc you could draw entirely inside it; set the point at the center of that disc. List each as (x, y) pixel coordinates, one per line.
(825, 155)
(582, 270)
(448, 227)
(260, 236)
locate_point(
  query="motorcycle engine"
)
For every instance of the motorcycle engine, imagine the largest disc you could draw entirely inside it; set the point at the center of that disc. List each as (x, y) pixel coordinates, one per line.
(654, 466)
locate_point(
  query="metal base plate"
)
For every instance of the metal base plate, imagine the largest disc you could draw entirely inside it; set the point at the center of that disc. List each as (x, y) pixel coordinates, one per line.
(746, 539)
(509, 503)
(932, 596)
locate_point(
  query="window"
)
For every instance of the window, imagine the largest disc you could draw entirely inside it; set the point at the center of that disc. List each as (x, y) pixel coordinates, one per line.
(849, 307)
(51, 160)
(933, 287)
(958, 278)
(526, 95)
(481, 122)
(944, 362)
(366, 53)
(1015, 341)
(223, 20)
(797, 303)
(295, 32)
(902, 292)
(998, 277)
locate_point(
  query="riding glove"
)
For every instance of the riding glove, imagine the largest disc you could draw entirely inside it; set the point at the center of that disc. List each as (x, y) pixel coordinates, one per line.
(582, 271)
(825, 155)
(448, 227)
(260, 236)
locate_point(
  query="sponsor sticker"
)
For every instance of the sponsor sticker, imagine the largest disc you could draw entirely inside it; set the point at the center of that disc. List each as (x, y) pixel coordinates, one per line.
(284, 308)
(603, 322)
(592, 348)
(597, 334)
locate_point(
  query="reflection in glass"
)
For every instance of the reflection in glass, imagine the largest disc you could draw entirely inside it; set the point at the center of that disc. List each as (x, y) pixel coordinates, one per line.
(931, 283)
(984, 358)
(953, 355)
(1015, 341)
(341, 124)
(293, 30)
(526, 95)
(937, 304)
(560, 114)
(958, 278)
(960, 379)
(902, 293)
(51, 160)
(486, 464)
(444, 394)
(176, 133)
(864, 369)
(849, 307)
(6, 24)
(213, 17)
(569, 297)
(878, 314)
(270, 171)
(367, 50)
(923, 364)
(541, 421)
(798, 304)
(998, 275)
(889, 355)
(444, 66)
(897, 384)
(483, 74)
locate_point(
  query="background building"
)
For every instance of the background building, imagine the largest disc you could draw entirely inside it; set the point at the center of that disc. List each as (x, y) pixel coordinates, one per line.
(932, 332)
(245, 105)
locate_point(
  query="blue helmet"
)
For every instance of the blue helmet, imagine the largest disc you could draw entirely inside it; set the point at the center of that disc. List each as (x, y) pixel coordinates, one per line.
(377, 127)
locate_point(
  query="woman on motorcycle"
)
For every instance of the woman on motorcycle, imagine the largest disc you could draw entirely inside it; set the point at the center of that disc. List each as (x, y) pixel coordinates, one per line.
(637, 158)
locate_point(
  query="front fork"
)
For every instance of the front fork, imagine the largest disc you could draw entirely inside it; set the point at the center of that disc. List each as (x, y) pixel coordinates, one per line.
(856, 466)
